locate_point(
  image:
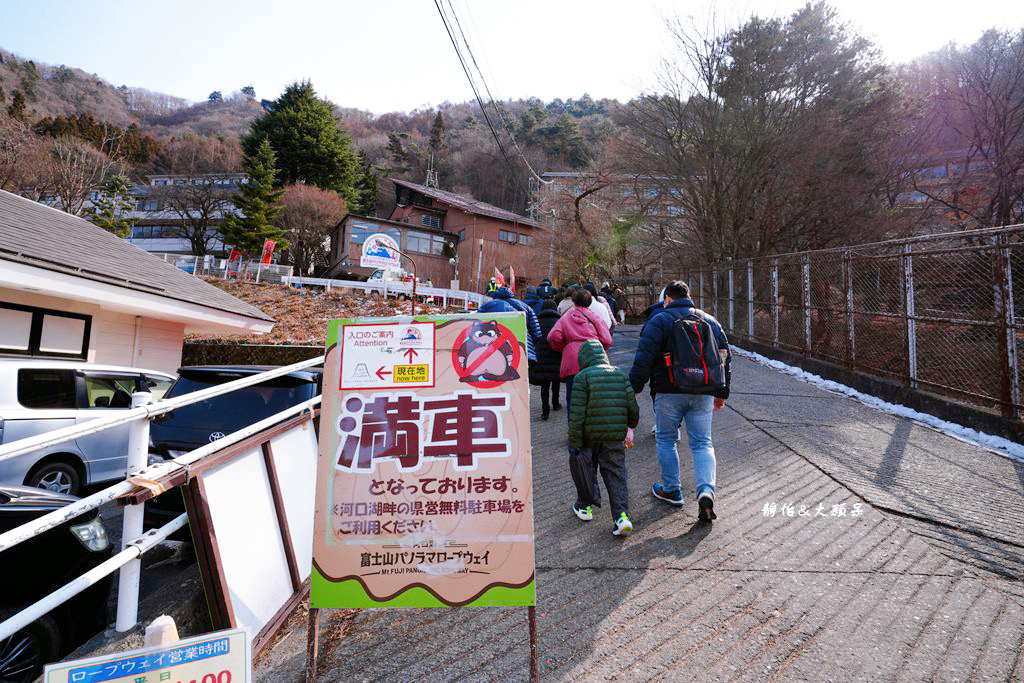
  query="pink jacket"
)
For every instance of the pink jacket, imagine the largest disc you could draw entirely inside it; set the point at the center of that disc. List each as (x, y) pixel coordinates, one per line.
(571, 330)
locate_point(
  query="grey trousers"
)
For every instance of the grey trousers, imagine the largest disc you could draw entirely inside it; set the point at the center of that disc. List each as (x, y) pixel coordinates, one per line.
(609, 458)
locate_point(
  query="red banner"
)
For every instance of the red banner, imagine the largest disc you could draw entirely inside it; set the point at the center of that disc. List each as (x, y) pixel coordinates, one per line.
(268, 251)
(499, 277)
(512, 279)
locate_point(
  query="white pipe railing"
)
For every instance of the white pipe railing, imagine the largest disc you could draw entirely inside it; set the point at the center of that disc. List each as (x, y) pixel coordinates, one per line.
(147, 411)
(132, 552)
(128, 560)
(391, 288)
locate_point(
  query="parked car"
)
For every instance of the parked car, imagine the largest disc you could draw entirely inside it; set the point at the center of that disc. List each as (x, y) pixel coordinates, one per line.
(38, 396)
(37, 567)
(189, 427)
(390, 275)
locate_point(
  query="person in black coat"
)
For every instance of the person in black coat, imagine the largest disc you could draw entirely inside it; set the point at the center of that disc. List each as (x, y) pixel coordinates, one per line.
(545, 372)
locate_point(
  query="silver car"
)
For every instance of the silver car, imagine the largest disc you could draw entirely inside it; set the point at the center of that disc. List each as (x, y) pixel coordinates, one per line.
(38, 396)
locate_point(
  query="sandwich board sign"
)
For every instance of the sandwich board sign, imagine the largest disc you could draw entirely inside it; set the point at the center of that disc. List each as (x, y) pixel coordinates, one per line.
(219, 657)
(424, 485)
(380, 251)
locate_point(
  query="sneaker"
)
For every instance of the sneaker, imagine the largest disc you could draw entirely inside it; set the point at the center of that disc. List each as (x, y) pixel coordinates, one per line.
(671, 497)
(623, 525)
(706, 509)
(654, 429)
(584, 512)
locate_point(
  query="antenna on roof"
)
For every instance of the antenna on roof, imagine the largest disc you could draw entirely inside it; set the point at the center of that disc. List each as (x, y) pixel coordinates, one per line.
(431, 173)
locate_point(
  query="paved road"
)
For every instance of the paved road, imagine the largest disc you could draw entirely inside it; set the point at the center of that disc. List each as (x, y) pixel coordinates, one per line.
(925, 584)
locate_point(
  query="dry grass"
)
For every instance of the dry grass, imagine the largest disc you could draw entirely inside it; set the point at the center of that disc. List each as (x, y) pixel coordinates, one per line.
(302, 314)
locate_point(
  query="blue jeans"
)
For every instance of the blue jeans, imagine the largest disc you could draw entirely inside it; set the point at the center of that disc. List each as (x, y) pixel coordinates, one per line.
(671, 411)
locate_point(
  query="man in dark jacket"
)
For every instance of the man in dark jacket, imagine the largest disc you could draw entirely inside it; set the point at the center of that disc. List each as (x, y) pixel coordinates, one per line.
(503, 301)
(602, 413)
(545, 373)
(673, 407)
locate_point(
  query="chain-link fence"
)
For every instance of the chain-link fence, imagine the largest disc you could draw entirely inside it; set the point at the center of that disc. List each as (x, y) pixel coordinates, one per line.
(223, 268)
(936, 312)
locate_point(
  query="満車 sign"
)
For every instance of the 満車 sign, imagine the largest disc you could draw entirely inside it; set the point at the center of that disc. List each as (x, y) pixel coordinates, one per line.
(380, 251)
(424, 490)
(221, 657)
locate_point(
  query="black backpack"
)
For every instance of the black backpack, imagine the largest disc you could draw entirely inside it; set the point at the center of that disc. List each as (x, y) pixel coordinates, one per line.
(692, 360)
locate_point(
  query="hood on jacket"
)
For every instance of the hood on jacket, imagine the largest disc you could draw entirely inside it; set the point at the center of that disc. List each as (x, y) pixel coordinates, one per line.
(502, 293)
(592, 353)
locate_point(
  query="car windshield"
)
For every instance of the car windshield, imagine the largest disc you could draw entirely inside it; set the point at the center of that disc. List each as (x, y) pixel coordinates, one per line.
(239, 408)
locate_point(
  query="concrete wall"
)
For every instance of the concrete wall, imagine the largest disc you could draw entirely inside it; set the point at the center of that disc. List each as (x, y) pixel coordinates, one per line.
(117, 338)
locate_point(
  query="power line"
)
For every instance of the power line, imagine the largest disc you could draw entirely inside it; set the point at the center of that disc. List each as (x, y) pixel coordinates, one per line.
(472, 84)
(501, 117)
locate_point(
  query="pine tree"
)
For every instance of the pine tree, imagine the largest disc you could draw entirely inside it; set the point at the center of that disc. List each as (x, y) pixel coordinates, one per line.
(114, 202)
(309, 145)
(366, 186)
(17, 108)
(259, 204)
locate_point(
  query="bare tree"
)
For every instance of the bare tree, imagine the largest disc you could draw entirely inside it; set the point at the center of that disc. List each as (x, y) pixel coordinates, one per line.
(200, 204)
(77, 170)
(309, 214)
(976, 127)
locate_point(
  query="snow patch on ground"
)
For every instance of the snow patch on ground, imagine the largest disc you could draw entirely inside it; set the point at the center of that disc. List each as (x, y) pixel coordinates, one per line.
(996, 444)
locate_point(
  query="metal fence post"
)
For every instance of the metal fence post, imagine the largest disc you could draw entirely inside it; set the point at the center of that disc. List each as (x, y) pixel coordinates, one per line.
(775, 302)
(732, 304)
(851, 349)
(909, 315)
(714, 292)
(1009, 386)
(806, 296)
(701, 302)
(128, 575)
(750, 299)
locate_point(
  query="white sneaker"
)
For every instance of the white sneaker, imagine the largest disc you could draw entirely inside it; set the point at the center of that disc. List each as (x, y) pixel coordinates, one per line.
(586, 513)
(623, 525)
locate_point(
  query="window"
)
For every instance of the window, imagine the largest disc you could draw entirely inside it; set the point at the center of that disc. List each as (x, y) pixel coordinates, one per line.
(525, 239)
(462, 235)
(31, 331)
(157, 386)
(46, 389)
(425, 243)
(109, 391)
(430, 220)
(507, 236)
(154, 231)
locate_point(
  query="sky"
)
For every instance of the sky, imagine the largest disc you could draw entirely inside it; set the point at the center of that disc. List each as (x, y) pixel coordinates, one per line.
(394, 55)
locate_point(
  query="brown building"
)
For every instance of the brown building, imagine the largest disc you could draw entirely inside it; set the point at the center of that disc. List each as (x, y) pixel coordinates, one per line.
(487, 237)
(430, 247)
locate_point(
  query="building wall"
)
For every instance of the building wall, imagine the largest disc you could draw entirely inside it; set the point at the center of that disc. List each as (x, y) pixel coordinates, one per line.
(117, 338)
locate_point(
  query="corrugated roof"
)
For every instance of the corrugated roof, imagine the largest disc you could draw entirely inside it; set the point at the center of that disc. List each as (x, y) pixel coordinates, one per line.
(44, 237)
(468, 204)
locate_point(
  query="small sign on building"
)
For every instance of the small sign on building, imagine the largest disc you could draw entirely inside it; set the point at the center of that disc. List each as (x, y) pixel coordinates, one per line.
(380, 251)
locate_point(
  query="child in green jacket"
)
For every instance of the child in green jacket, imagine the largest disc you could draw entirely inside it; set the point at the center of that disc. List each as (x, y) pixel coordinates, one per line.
(602, 417)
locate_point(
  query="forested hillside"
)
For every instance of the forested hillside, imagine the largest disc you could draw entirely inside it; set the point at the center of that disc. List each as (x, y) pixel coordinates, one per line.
(168, 134)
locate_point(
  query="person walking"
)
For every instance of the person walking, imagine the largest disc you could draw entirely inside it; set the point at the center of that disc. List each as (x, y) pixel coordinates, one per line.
(604, 413)
(576, 326)
(545, 372)
(566, 304)
(504, 301)
(684, 353)
(599, 306)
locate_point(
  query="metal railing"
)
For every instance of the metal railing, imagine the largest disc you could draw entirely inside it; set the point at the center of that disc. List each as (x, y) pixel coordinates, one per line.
(134, 543)
(935, 312)
(386, 289)
(229, 270)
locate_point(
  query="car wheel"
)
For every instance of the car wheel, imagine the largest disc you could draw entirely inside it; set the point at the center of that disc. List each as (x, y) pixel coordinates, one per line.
(56, 476)
(23, 655)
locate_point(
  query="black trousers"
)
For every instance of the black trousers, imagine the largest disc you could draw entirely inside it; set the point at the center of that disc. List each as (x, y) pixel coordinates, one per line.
(610, 459)
(549, 394)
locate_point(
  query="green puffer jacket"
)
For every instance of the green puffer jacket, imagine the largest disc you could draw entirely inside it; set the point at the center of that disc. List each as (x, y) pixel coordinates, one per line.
(603, 402)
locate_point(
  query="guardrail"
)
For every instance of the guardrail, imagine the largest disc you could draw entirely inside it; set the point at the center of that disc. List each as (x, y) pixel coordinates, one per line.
(134, 543)
(223, 268)
(469, 299)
